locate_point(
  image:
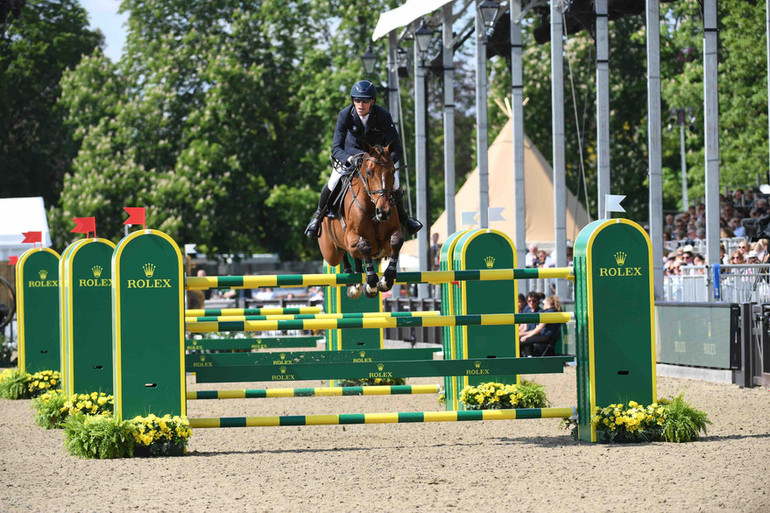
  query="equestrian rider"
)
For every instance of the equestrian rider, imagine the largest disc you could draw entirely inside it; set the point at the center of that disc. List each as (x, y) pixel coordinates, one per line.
(361, 121)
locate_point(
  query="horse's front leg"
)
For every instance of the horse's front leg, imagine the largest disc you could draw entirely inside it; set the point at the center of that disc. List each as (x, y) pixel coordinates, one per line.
(354, 290)
(365, 249)
(389, 276)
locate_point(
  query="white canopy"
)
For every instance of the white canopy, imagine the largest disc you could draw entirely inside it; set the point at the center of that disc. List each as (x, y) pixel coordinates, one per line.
(404, 15)
(18, 215)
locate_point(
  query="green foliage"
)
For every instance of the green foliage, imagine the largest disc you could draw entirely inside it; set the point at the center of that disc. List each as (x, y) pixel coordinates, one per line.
(742, 89)
(371, 382)
(97, 437)
(51, 412)
(683, 423)
(36, 146)
(497, 396)
(668, 420)
(13, 384)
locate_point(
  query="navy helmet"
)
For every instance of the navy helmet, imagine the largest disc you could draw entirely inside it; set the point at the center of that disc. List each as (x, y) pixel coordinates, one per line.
(363, 89)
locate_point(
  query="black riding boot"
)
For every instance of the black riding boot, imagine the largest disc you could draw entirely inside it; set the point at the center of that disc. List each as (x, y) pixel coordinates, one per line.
(411, 224)
(314, 226)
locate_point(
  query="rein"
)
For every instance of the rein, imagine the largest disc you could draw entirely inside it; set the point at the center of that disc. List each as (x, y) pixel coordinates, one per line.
(369, 192)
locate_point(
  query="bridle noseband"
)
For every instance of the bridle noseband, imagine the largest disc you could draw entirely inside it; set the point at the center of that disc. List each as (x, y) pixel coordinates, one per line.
(389, 193)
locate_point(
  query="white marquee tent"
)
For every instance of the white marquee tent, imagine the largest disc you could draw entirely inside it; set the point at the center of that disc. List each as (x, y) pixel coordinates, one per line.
(18, 215)
(538, 183)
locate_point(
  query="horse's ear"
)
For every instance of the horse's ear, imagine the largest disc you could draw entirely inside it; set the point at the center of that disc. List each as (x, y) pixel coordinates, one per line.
(387, 148)
(367, 147)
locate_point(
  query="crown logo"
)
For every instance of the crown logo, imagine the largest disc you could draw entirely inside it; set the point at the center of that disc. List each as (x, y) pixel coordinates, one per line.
(490, 261)
(620, 257)
(97, 270)
(149, 270)
(203, 358)
(380, 366)
(477, 364)
(283, 356)
(283, 370)
(362, 354)
(42, 273)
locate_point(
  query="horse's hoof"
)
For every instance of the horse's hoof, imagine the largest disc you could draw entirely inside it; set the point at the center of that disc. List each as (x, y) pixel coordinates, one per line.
(354, 291)
(383, 285)
(371, 291)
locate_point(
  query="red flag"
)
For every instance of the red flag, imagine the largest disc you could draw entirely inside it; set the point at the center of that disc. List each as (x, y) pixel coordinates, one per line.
(32, 237)
(84, 225)
(135, 215)
(12, 260)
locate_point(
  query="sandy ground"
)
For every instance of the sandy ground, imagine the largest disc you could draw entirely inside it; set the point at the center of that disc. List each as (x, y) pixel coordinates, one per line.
(527, 465)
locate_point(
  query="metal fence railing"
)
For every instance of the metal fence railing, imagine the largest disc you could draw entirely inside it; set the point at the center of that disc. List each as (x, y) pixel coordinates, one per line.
(746, 283)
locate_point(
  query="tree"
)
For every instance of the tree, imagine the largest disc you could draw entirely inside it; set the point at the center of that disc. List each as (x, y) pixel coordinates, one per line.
(36, 147)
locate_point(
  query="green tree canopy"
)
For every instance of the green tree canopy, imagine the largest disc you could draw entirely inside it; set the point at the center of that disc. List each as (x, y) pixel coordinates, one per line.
(36, 147)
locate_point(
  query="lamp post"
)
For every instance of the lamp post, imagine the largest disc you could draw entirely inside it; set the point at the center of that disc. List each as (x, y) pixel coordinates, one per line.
(368, 59)
(486, 14)
(422, 37)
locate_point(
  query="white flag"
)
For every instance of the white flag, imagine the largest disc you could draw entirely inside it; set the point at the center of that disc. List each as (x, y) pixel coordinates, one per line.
(496, 214)
(468, 218)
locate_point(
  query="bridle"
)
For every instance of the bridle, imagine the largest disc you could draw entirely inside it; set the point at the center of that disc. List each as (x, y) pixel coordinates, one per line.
(389, 193)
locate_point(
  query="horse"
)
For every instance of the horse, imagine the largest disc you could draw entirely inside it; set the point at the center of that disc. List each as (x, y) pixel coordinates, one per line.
(368, 226)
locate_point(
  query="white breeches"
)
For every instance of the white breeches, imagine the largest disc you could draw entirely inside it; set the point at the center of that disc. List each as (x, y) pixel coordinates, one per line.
(334, 178)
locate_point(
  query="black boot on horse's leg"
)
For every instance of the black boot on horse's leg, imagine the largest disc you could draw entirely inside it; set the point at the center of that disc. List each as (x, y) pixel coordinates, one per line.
(314, 226)
(411, 224)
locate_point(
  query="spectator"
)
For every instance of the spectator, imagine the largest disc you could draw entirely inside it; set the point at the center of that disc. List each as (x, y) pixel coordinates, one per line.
(264, 294)
(529, 260)
(522, 303)
(435, 252)
(543, 260)
(736, 227)
(541, 340)
(533, 306)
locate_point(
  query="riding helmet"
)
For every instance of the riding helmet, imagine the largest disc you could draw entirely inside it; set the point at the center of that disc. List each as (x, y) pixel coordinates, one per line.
(363, 89)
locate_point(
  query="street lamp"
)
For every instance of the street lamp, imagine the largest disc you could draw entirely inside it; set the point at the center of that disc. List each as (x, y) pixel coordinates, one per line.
(368, 59)
(489, 10)
(422, 37)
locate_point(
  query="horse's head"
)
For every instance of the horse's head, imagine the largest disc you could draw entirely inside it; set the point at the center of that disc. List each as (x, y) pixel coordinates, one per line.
(378, 173)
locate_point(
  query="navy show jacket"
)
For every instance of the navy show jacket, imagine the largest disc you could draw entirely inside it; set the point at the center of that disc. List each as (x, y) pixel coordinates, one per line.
(350, 134)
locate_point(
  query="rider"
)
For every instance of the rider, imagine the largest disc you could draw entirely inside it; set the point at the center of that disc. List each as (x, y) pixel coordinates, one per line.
(361, 121)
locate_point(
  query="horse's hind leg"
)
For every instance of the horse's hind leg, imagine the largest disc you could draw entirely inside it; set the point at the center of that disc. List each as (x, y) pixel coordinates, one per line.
(354, 291)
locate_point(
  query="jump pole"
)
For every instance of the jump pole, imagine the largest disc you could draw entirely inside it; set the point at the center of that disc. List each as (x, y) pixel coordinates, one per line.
(383, 418)
(266, 393)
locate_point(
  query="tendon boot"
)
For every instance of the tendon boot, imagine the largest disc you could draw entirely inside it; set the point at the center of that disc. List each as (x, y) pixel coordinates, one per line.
(411, 224)
(313, 228)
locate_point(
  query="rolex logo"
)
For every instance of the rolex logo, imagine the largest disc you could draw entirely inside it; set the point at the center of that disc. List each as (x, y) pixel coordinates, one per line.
(380, 366)
(283, 356)
(620, 257)
(149, 270)
(490, 261)
(477, 364)
(362, 354)
(43, 274)
(283, 370)
(97, 270)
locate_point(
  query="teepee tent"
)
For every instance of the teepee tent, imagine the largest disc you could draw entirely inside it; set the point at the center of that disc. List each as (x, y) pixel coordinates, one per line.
(538, 183)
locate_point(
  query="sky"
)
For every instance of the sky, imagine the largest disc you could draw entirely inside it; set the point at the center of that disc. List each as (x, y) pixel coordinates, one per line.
(103, 15)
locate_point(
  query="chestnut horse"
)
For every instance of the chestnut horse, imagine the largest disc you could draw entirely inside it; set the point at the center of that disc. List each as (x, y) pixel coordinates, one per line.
(368, 226)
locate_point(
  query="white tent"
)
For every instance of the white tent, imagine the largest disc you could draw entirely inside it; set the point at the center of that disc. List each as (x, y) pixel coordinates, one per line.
(538, 184)
(18, 215)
